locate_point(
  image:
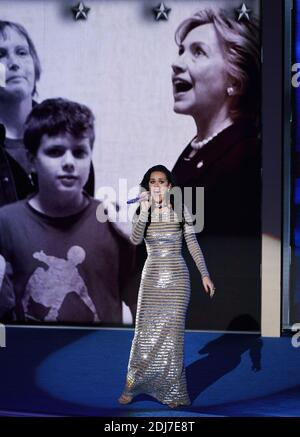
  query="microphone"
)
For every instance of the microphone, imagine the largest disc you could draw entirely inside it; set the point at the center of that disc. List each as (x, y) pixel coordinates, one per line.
(139, 198)
(136, 199)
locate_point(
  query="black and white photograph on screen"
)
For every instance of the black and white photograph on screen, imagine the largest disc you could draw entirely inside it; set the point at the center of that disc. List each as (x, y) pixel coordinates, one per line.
(129, 86)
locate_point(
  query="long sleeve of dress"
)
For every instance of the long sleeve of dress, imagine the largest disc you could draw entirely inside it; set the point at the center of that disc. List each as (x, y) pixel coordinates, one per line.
(193, 245)
(138, 227)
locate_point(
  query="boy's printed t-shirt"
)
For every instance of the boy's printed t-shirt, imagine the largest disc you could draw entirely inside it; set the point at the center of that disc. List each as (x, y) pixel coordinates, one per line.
(65, 268)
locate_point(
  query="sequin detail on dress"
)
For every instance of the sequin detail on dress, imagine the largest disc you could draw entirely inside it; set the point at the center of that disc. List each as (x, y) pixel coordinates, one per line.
(156, 364)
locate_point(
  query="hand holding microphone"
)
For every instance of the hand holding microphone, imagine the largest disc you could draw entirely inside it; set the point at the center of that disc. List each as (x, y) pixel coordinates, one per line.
(144, 199)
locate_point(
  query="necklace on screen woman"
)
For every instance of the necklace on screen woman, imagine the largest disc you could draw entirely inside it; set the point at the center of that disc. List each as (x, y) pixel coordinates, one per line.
(196, 144)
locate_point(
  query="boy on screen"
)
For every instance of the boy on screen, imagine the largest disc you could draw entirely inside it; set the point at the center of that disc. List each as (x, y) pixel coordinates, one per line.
(61, 264)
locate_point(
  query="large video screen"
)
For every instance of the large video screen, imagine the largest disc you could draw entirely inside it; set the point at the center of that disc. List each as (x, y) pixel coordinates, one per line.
(128, 84)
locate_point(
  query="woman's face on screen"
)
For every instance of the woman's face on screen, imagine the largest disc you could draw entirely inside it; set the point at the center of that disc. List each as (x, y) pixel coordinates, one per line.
(200, 79)
(19, 66)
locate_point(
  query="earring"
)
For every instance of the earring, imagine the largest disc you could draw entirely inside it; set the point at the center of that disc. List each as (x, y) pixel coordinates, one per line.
(230, 90)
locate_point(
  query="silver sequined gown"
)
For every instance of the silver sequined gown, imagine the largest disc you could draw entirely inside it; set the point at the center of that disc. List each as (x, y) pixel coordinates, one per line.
(156, 364)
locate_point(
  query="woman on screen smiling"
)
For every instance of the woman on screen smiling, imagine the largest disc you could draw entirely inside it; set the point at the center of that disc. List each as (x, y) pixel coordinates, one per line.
(216, 80)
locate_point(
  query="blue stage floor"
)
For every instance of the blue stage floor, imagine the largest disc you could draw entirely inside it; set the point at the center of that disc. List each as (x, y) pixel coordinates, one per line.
(81, 372)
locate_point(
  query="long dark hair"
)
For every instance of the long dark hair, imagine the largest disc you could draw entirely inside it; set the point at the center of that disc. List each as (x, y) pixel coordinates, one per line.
(144, 184)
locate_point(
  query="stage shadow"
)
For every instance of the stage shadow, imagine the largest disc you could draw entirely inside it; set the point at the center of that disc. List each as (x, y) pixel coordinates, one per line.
(223, 355)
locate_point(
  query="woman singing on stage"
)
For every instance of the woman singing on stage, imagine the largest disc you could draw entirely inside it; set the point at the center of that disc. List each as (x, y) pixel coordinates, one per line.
(156, 364)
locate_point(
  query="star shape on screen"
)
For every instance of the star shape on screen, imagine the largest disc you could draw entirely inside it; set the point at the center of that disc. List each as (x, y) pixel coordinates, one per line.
(243, 12)
(80, 11)
(161, 12)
